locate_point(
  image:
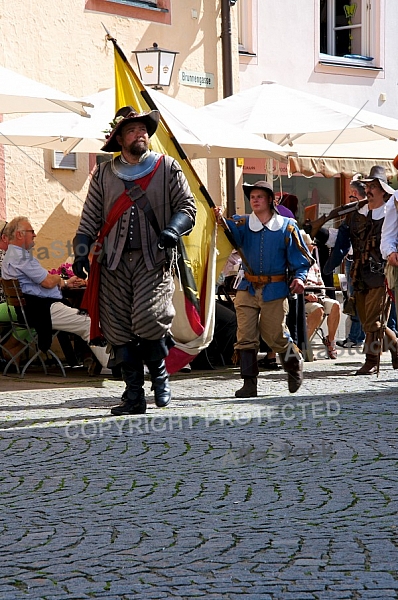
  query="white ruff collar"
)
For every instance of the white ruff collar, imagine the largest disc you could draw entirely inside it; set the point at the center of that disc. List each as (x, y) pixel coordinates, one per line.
(274, 224)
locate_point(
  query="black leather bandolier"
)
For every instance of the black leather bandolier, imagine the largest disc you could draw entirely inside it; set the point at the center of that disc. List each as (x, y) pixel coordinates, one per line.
(367, 271)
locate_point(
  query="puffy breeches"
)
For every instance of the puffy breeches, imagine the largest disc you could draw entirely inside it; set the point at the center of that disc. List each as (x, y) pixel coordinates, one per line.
(134, 301)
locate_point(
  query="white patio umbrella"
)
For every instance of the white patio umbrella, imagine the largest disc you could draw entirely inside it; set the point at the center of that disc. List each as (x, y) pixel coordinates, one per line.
(200, 137)
(19, 94)
(210, 137)
(285, 115)
(63, 132)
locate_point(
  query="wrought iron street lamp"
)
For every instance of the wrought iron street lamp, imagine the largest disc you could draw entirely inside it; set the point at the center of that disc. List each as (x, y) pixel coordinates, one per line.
(155, 66)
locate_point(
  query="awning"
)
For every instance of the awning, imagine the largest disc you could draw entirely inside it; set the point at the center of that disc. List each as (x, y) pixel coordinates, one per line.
(329, 167)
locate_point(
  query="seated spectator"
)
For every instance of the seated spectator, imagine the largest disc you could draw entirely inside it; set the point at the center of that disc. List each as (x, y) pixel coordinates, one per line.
(12, 345)
(317, 304)
(44, 302)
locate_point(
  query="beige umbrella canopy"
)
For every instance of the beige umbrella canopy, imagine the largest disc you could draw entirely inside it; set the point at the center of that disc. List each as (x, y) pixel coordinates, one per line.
(346, 159)
(200, 137)
(19, 94)
(328, 137)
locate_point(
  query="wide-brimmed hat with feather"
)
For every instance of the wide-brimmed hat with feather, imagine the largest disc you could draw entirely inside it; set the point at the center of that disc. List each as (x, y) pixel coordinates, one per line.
(125, 115)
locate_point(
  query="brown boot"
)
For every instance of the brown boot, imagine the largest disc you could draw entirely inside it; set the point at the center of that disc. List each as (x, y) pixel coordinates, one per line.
(248, 372)
(370, 366)
(292, 362)
(249, 389)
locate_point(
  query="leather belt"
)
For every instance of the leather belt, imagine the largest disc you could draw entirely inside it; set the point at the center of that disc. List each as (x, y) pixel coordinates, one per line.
(264, 279)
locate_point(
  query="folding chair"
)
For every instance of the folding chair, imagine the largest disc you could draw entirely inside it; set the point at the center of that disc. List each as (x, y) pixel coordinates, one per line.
(15, 298)
(309, 354)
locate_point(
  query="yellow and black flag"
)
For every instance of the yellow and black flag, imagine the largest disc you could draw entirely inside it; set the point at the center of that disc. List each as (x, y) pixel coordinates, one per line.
(193, 300)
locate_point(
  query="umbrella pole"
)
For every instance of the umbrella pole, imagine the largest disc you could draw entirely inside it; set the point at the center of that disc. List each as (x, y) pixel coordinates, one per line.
(228, 91)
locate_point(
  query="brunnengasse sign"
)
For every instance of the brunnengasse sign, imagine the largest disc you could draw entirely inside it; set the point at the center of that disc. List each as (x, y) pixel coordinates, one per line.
(196, 79)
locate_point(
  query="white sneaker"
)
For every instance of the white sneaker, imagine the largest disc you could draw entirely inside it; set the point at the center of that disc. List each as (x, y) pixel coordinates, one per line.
(349, 344)
(106, 371)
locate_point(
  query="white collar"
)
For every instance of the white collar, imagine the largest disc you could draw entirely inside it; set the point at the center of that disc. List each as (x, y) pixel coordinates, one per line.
(377, 213)
(274, 224)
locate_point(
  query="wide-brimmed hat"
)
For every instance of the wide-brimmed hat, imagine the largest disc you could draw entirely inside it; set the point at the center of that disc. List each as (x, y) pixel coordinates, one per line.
(378, 172)
(248, 187)
(125, 115)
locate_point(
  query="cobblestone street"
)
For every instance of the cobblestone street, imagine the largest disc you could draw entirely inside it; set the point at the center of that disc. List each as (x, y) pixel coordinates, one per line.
(281, 497)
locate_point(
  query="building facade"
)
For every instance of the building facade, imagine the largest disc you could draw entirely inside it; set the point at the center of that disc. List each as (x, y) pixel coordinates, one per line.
(343, 51)
(63, 45)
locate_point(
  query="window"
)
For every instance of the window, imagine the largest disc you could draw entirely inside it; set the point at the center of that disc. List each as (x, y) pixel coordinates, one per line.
(246, 10)
(150, 10)
(138, 3)
(348, 32)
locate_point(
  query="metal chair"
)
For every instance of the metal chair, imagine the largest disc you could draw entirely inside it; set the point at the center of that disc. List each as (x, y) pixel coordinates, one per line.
(16, 300)
(309, 353)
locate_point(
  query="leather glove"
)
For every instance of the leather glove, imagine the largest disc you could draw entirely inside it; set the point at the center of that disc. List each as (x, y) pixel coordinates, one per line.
(81, 248)
(180, 224)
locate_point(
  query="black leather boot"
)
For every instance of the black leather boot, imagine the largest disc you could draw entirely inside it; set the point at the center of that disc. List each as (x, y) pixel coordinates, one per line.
(292, 362)
(160, 382)
(248, 372)
(249, 388)
(133, 398)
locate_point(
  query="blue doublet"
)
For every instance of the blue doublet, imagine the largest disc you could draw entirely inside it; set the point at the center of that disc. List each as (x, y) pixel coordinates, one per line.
(270, 249)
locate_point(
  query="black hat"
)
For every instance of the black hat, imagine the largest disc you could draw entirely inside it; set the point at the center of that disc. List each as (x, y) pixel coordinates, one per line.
(379, 173)
(248, 187)
(125, 115)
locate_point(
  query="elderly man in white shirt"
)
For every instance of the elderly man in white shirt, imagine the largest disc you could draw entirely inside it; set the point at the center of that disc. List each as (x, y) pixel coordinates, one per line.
(35, 281)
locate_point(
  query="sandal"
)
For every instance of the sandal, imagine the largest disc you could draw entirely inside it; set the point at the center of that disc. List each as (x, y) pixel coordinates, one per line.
(330, 347)
(269, 364)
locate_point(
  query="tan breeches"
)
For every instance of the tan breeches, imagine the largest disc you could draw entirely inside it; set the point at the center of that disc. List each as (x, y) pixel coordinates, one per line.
(256, 317)
(369, 305)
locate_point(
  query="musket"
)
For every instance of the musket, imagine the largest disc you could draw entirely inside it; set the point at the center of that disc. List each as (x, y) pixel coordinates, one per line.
(339, 212)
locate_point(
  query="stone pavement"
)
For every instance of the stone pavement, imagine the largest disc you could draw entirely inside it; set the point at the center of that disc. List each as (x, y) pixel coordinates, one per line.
(281, 497)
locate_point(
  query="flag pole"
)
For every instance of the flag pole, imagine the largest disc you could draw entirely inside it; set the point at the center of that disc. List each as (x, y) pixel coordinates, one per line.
(150, 102)
(146, 96)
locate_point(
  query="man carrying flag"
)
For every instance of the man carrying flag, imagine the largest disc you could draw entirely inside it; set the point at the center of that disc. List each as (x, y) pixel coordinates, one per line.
(138, 206)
